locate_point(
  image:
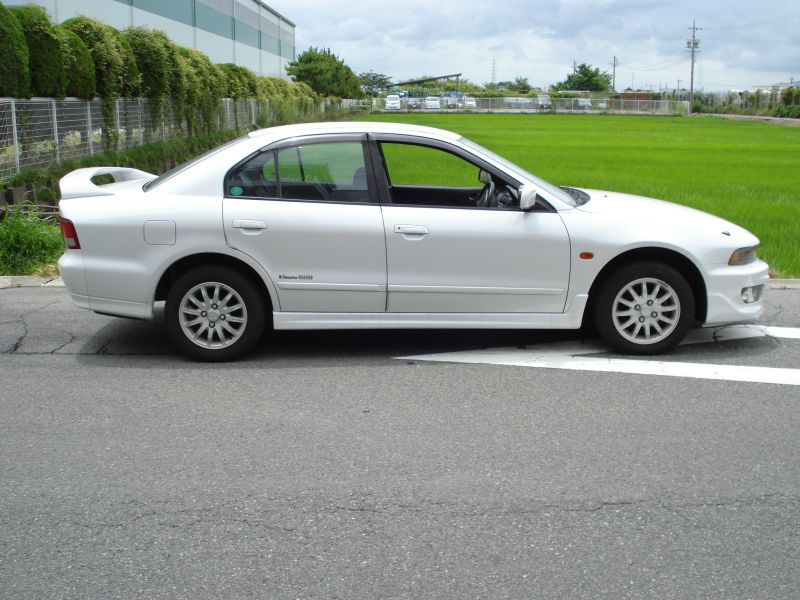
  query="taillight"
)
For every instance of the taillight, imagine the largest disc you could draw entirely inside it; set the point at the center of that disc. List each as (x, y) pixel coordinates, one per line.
(70, 235)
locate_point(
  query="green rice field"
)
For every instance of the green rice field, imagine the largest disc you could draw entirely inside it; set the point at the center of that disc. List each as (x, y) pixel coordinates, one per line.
(745, 171)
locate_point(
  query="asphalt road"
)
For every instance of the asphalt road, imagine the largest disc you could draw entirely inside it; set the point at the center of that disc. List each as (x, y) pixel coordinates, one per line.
(325, 467)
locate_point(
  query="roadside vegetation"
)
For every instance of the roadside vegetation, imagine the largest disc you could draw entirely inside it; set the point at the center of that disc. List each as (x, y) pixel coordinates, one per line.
(747, 172)
(29, 242)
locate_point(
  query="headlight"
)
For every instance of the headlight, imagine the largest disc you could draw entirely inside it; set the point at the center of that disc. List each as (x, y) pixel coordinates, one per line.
(743, 256)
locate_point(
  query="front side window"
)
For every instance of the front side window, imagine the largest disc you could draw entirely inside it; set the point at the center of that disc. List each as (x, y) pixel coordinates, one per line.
(430, 176)
(325, 171)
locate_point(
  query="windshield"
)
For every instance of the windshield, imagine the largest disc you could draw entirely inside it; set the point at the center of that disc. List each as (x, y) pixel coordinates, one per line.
(181, 167)
(538, 182)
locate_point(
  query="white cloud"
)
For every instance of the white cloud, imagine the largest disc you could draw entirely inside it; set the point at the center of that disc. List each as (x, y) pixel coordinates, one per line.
(742, 45)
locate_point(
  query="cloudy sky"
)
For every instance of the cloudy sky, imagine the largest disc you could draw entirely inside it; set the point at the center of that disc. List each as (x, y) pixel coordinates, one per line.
(743, 43)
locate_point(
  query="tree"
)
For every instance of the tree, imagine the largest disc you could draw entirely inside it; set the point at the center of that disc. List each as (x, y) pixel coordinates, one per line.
(521, 85)
(587, 79)
(373, 82)
(325, 73)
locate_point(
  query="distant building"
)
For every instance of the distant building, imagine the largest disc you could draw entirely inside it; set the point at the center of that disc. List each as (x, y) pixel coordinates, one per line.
(245, 32)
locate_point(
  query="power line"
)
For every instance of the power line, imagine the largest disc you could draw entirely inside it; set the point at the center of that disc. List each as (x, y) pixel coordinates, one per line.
(665, 67)
(752, 24)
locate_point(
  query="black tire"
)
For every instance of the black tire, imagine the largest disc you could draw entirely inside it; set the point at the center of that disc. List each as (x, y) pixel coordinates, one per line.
(214, 314)
(644, 308)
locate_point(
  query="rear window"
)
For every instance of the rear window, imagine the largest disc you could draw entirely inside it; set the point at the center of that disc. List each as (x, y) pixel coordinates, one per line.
(182, 167)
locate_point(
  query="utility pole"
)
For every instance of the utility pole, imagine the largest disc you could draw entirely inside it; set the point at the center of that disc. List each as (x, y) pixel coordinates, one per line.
(614, 75)
(692, 46)
(574, 66)
(494, 69)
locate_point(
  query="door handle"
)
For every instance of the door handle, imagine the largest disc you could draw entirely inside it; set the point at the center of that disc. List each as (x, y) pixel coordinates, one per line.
(248, 224)
(411, 229)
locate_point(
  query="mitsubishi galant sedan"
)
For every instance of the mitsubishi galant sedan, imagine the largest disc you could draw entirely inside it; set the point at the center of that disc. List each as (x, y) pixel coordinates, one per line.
(379, 225)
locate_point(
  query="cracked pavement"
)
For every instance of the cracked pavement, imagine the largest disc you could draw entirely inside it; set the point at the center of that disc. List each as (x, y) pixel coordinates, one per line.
(322, 467)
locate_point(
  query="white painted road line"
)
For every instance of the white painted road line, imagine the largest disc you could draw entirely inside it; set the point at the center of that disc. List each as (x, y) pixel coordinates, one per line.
(577, 356)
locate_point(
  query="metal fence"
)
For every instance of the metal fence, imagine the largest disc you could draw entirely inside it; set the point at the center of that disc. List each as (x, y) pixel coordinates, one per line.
(528, 105)
(42, 132)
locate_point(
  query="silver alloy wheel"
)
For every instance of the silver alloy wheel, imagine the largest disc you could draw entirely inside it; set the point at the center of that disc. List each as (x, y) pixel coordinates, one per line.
(646, 311)
(212, 315)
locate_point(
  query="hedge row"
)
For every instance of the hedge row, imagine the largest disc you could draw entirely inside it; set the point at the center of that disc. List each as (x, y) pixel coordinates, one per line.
(84, 58)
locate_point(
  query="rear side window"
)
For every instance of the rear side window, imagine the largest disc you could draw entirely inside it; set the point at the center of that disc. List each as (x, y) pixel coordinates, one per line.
(326, 171)
(257, 178)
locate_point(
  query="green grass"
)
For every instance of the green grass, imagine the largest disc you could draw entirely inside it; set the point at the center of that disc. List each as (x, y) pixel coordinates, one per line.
(746, 172)
(28, 242)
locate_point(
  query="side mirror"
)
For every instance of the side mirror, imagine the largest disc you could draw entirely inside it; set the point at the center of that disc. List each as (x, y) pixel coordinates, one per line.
(484, 176)
(527, 197)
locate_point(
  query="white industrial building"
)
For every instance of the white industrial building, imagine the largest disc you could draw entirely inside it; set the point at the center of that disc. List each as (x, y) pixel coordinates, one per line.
(245, 32)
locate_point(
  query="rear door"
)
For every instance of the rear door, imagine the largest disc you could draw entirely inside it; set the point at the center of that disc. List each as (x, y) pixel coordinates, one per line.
(306, 212)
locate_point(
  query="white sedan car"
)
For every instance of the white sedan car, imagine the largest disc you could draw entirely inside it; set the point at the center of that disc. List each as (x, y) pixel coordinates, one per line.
(380, 225)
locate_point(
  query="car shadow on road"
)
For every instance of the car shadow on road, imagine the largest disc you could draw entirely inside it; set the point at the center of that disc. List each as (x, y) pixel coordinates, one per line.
(147, 341)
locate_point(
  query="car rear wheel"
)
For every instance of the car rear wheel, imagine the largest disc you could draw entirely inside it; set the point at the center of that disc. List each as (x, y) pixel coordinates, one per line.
(214, 314)
(644, 308)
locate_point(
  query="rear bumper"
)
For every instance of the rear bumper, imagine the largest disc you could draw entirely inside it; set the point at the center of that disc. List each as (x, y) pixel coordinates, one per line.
(73, 274)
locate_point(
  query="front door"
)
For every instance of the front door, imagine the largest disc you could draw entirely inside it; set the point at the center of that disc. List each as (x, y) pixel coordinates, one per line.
(458, 245)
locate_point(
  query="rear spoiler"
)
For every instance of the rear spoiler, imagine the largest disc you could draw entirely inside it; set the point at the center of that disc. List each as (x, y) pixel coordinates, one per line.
(78, 183)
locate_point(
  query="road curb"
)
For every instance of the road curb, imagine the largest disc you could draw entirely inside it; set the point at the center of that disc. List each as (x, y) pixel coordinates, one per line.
(17, 281)
(784, 284)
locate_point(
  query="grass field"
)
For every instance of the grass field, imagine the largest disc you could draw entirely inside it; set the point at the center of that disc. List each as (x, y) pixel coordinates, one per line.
(746, 172)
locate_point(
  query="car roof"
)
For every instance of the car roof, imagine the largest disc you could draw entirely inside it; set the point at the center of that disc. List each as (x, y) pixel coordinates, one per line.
(376, 127)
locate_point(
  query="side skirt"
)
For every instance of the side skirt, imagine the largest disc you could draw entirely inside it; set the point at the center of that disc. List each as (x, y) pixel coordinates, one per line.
(571, 319)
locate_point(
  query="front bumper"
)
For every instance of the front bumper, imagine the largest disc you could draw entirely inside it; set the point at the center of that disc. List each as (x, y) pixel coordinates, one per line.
(724, 290)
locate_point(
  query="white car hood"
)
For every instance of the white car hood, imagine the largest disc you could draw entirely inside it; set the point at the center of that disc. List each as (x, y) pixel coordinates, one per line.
(652, 214)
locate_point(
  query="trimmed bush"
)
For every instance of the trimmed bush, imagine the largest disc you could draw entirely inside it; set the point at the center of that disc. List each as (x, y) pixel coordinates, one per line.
(78, 65)
(131, 86)
(101, 40)
(15, 79)
(239, 82)
(150, 48)
(207, 88)
(48, 77)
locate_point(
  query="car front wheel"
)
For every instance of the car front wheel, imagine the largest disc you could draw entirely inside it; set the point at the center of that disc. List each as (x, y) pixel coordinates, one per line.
(644, 308)
(214, 314)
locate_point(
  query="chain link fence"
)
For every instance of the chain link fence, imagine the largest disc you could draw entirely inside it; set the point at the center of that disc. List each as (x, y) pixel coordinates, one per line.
(524, 104)
(42, 132)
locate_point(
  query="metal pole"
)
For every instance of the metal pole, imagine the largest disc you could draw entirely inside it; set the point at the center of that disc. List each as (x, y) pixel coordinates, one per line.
(117, 123)
(692, 46)
(89, 133)
(55, 130)
(141, 122)
(14, 133)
